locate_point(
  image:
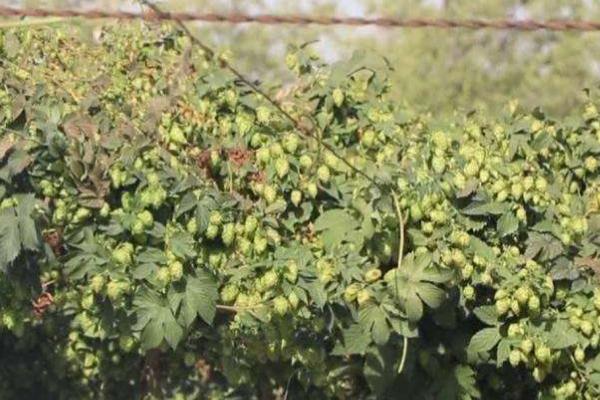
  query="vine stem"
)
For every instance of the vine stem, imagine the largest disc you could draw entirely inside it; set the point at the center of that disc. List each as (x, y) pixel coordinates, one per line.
(400, 257)
(404, 353)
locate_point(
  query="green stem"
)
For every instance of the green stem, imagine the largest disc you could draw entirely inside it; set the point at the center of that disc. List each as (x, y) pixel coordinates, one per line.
(400, 256)
(404, 353)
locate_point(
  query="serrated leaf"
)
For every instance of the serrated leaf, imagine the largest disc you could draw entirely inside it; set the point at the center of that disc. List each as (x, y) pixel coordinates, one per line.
(484, 340)
(507, 224)
(487, 314)
(182, 245)
(10, 242)
(200, 298)
(493, 208)
(374, 319)
(560, 335)
(156, 320)
(502, 352)
(335, 227)
(356, 340)
(481, 249)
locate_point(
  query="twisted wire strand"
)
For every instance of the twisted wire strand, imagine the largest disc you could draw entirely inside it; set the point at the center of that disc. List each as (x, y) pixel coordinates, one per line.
(299, 19)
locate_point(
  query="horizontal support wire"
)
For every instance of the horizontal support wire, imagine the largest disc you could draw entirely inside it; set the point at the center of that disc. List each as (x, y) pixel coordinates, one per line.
(298, 19)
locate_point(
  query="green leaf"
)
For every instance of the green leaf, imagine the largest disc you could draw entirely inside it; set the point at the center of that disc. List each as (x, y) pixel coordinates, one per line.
(379, 368)
(493, 208)
(560, 335)
(182, 245)
(507, 224)
(30, 237)
(481, 249)
(356, 341)
(373, 319)
(414, 307)
(156, 320)
(431, 295)
(10, 242)
(503, 351)
(484, 340)
(336, 226)
(200, 298)
(487, 314)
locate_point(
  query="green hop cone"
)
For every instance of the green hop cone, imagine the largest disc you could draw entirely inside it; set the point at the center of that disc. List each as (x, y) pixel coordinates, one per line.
(502, 306)
(97, 283)
(270, 194)
(372, 275)
(305, 161)
(282, 167)
(215, 218)
(250, 224)
(515, 307)
(338, 97)
(87, 302)
(211, 231)
(533, 303)
(458, 258)
(469, 292)
(542, 354)
(192, 226)
(260, 244)
(362, 297)
(176, 135)
(586, 327)
(323, 173)
(81, 215)
(526, 346)
(591, 164)
(175, 271)
(579, 355)
(351, 292)
(539, 374)
(438, 164)
(228, 235)
(122, 256)
(153, 179)
(368, 138)
(229, 293)
(514, 330)
(290, 143)
(263, 114)
(115, 289)
(126, 343)
(104, 211)
(296, 197)
(514, 358)
(522, 295)
(276, 150)
(312, 190)
(281, 305)
(270, 279)
(293, 300)
(263, 155)
(291, 272)
(163, 276)
(138, 227)
(146, 218)
(189, 359)
(415, 212)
